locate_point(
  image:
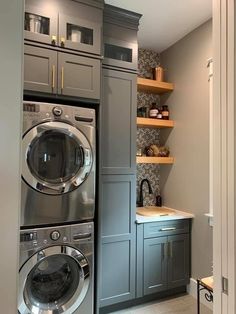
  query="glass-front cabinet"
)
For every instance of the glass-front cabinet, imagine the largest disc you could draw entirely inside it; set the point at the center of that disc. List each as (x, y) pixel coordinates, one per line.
(120, 53)
(64, 24)
(79, 34)
(41, 24)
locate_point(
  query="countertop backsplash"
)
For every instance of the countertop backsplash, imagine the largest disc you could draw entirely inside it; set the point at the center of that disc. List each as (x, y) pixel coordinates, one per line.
(147, 60)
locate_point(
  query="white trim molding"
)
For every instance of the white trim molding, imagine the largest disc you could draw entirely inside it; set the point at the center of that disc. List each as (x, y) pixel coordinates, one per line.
(224, 135)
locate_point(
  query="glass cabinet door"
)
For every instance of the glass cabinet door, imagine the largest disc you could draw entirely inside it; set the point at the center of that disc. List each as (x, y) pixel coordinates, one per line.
(79, 34)
(41, 24)
(120, 53)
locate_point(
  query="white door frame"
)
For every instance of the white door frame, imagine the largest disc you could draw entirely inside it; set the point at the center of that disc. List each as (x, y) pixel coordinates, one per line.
(224, 155)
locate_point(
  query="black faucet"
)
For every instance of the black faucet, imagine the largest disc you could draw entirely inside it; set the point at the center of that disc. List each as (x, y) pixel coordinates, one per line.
(140, 201)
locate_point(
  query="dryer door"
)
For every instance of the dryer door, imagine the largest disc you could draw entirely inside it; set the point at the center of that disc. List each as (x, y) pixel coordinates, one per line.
(54, 280)
(57, 157)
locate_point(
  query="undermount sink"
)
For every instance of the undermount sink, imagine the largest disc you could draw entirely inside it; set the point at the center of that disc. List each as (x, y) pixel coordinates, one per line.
(155, 211)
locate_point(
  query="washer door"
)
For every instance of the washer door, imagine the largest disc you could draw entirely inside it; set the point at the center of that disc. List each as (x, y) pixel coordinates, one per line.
(54, 280)
(57, 157)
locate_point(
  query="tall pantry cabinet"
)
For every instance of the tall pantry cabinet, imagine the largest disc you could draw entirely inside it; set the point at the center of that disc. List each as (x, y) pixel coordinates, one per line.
(117, 165)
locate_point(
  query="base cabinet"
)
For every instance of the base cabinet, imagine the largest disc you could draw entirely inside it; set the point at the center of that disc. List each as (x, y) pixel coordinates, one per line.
(155, 265)
(163, 262)
(117, 220)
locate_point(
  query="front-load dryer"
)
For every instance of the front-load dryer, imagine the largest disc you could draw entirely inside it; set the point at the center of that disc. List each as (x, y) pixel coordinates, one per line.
(56, 272)
(58, 164)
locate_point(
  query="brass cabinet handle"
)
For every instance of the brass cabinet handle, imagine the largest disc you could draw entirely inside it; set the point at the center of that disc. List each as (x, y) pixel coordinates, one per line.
(165, 250)
(168, 229)
(53, 76)
(170, 249)
(62, 78)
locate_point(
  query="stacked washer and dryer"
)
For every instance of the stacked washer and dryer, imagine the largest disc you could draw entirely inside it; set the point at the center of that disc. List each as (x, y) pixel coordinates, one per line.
(56, 272)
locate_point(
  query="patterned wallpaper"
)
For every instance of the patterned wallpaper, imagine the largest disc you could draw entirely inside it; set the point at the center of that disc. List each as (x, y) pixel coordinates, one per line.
(147, 60)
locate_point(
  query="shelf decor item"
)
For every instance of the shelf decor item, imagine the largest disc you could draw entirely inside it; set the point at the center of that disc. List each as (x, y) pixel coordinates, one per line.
(158, 74)
(154, 150)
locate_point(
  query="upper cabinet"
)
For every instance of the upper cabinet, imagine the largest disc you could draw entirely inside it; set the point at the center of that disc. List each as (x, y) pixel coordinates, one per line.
(79, 34)
(74, 25)
(53, 72)
(40, 24)
(120, 38)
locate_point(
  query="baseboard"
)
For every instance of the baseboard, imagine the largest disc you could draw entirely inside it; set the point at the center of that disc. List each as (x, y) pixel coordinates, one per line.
(192, 290)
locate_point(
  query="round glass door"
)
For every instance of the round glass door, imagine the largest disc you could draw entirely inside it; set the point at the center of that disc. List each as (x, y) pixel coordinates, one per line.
(57, 157)
(53, 282)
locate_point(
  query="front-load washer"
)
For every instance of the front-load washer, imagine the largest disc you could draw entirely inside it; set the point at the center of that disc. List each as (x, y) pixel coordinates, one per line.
(58, 164)
(57, 270)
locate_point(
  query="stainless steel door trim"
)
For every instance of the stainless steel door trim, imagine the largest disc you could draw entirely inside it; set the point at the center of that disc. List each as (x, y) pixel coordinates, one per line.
(74, 182)
(24, 305)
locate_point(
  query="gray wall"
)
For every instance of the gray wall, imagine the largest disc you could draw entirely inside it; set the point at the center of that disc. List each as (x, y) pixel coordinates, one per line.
(11, 16)
(185, 184)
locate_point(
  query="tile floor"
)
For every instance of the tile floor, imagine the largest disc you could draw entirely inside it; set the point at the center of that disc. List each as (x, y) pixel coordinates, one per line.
(179, 305)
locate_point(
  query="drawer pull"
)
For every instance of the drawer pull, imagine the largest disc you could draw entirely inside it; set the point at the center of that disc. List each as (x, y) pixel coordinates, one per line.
(168, 229)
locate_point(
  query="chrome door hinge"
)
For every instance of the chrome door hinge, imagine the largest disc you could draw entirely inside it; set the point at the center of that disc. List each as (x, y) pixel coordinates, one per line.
(225, 285)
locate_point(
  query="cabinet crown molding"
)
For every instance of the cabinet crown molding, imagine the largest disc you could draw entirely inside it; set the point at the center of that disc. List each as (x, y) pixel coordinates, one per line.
(121, 17)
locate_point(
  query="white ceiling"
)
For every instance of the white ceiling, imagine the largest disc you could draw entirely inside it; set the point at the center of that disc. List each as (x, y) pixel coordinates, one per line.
(164, 22)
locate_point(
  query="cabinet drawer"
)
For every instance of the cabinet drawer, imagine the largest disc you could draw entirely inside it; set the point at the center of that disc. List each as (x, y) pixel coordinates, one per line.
(157, 229)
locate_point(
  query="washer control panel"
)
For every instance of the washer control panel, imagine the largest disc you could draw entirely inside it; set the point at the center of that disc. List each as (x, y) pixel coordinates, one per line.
(43, 237)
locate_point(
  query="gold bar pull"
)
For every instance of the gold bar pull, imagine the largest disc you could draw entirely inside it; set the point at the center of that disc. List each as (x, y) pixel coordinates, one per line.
(53, 76)
(62, 78)
(170, 250)
(165, 250)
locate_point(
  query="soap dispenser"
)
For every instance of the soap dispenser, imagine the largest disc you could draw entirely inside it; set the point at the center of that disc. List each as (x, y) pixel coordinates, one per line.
(158, 201)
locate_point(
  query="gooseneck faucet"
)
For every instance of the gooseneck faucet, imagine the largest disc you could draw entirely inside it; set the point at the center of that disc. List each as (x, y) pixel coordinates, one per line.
(140, 201)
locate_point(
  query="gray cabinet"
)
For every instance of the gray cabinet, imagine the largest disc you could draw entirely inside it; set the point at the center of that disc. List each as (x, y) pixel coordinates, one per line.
(155, 265)
(120, 38)
(118, 127)
(79, 34)
(40, 69)
(67, 24)
(163, 261)
(117, 223)
(61, 73)
(78, 76)
(40, 22)
(120, 53)
(117, 167)
(178, 262)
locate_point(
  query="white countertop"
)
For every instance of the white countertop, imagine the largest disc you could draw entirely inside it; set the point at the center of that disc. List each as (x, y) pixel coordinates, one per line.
(179, 215)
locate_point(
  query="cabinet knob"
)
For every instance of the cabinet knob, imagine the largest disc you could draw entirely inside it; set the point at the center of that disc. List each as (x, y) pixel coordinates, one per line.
(63, 42)
(54, 39)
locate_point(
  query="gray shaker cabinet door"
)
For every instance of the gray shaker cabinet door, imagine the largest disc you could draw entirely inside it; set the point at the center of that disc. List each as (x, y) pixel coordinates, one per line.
(117, 224)
(78, 76)
(178, 262)
(155, 265)
(118, 127)
(40, 69)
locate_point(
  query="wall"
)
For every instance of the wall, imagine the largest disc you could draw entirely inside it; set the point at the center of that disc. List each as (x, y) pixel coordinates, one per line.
(185, 184)
(11, 25)
(147, 59)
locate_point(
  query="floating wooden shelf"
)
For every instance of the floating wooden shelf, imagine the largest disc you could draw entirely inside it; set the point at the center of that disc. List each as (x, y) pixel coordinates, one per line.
(154, 123)
(155, 87)
(154, 160)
